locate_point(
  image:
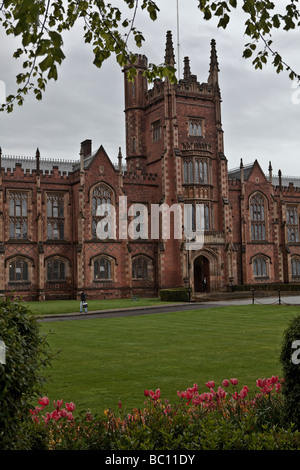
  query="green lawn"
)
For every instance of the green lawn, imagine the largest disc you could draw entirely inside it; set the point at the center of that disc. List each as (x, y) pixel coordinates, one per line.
(50, 307)
(100, 361)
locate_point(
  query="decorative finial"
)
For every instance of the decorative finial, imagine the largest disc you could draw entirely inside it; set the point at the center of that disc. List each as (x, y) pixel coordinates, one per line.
(213, 78)
(169, 54)
(187, 70)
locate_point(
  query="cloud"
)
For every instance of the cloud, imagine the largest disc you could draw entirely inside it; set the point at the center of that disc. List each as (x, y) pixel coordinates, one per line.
(259, 117)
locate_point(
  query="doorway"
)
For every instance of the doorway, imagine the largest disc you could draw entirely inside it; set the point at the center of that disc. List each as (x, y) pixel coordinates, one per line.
(201, 272)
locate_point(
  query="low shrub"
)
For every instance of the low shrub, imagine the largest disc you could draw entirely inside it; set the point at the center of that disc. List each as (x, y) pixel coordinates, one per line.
(216, 419)
(178, 294)
(290, 359)
(21, 376)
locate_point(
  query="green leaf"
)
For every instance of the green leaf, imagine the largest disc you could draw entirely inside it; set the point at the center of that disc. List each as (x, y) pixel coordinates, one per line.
(46, 63)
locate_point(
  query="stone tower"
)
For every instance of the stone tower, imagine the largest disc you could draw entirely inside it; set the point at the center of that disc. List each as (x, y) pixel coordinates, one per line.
(176, 132)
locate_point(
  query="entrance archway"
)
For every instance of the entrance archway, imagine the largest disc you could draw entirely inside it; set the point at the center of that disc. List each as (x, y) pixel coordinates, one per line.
(201, 271)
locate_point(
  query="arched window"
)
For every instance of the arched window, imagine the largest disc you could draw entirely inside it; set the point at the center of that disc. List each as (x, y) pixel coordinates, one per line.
(102, 269)
(191, 172)
(201, 217)
(18, 215)
(195, 128)
(102, 196)
(295, 267)
(195, 170)
(55, 217)
(18, 270)
(140, 266)
(56, 269)
(258, 219)
(260, 267)
(292, 224)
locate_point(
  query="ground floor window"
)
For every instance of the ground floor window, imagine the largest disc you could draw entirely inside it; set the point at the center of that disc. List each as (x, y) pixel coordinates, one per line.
(140, 268)
(18, 270)
(56, 270)
(102, 269)
(296, 267)
(260, 267)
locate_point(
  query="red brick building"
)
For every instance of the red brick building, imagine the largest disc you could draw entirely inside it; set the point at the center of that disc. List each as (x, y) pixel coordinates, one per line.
(49, 223)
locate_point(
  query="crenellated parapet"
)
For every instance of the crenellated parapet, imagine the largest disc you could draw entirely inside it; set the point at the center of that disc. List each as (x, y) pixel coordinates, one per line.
(26, 166)
(234, 183)
(136, 176)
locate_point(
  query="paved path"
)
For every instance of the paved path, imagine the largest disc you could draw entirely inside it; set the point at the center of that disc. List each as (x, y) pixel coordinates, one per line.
(134, 311)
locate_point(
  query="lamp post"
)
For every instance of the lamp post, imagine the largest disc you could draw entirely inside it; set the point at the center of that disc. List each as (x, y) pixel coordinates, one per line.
(188, 273)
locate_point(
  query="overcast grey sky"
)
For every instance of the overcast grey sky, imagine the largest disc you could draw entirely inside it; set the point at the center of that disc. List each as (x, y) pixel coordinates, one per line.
(260, 109)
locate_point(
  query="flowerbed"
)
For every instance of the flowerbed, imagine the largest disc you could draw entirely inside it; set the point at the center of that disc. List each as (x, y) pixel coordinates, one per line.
(223, 417)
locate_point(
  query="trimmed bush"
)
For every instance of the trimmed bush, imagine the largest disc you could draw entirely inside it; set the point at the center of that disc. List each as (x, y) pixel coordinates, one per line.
(20, 379)
(178, 294)
(290, 359)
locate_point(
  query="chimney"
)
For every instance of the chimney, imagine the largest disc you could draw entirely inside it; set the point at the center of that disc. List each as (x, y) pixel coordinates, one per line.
(86, 148)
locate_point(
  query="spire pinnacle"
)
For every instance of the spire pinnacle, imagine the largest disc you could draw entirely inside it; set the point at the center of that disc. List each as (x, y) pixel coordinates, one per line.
(187, 70)
(214, 66)
(169, 53)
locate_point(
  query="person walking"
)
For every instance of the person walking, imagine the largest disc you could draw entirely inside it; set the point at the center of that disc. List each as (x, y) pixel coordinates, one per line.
(83, 302)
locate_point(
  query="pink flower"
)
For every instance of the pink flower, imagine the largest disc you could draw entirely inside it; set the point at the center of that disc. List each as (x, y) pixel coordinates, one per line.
(70, 406)
(244, 392)
(47, 418)
(221, 393)
(58, 404)
(277, 387)
(210, 384)
(225, 383)
(261, 383)
(43, 401)
(154, 395)
(234, 381)
(63, 413)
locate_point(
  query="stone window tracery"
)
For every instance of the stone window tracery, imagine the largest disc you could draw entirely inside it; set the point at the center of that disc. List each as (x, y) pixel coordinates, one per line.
(55, 217)
(56, 269)
(102, 269)
(292, 223)
(260, 267)
(18, 270)
(195, 171)
(140, 267)
(258, 218)
(18, 220)
(102, 196)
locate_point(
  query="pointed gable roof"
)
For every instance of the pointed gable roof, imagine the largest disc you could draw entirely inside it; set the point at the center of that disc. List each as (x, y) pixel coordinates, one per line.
(248, 170)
